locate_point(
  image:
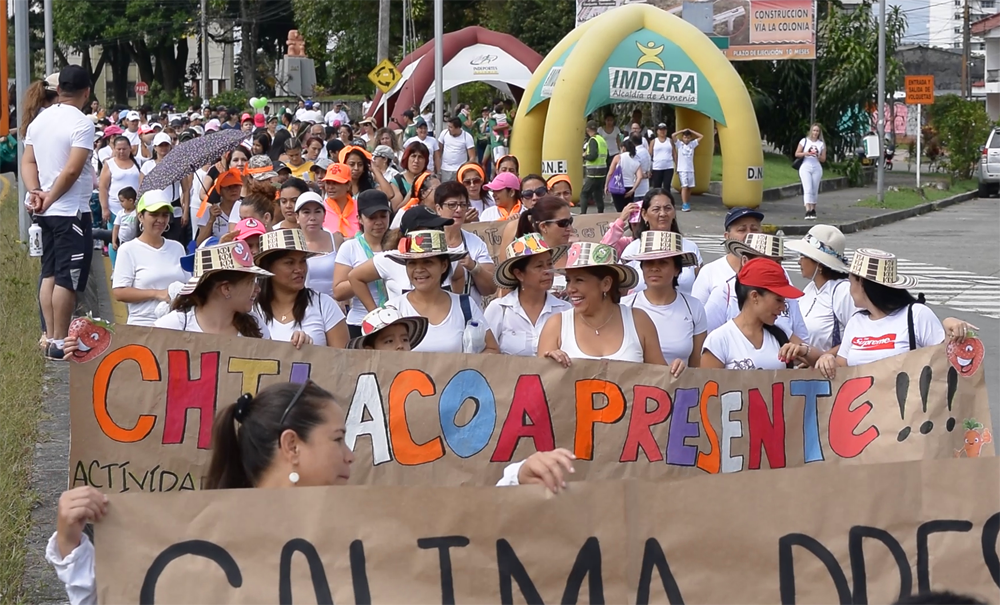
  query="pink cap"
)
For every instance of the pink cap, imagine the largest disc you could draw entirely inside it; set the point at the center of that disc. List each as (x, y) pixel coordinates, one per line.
(212, 124)
(259, 121)
(504, 180)
(112, 130)
(244, 118)
(249, 227)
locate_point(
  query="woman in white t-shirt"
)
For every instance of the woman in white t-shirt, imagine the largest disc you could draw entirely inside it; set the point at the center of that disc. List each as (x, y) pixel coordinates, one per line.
(310, 211)
(661, 148)
(812, 152)
(656, 213)
(612, 136)
(472, 176)
(120, 171)
(427, 260)
(517, 318)
(598, 326)
(890, 321)
(148, 264)
(679, 318)
(292, 311)
(474, 273)
(826, 304)
(178, 193)
(373, 213)
(219, 298)
(751, 341)
(632, 176)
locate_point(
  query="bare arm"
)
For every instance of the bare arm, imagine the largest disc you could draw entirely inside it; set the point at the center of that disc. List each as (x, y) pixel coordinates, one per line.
(799, 153)
(342, 290)
(29, 168)
(360, 277)
(336, 337)
(651, 352)
(383, 184)
(396, 198)
(104, 186)
(710, 361)
(491, 344)
(548, 340)
(136, 295)
(694, 361)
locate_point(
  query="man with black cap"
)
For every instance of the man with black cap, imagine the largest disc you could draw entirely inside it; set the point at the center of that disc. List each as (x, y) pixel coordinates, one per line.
(57, 171)
(738, 224)
(595, 169)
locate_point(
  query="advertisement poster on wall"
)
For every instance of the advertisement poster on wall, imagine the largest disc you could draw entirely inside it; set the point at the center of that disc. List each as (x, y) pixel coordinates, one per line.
(745, 30)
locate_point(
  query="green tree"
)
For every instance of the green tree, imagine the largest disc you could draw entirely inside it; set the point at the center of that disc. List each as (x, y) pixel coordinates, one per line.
(962, 127)
(540, 24)
(846, 74)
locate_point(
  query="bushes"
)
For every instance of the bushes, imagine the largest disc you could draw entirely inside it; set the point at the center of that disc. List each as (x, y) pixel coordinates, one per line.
(962, 127)
(238, 99)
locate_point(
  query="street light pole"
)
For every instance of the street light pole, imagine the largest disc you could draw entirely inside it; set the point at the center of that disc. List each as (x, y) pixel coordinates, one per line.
(880, 123)
(438, 67)
(49, 66)
(22, 78)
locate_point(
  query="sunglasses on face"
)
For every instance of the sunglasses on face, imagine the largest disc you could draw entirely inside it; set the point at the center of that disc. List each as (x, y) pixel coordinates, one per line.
(472, 182)
(539, 192)
(561, 223)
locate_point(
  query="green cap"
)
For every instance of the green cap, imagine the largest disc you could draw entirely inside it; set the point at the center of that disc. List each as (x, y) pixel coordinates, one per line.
(153, 200)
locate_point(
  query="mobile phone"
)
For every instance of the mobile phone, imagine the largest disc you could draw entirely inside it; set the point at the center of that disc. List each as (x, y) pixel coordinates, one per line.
(634, 216)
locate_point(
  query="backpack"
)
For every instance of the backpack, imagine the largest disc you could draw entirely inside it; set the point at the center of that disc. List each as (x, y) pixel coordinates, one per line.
(465, 301)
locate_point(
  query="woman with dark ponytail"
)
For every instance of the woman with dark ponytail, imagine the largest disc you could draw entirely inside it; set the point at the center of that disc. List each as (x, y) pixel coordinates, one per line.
(288, 435)
(891, 321)
(751, 341)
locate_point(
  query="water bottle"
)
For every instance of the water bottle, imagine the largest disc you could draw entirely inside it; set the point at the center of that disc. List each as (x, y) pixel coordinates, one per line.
(474, 338)
(780, 234)
(34, 240)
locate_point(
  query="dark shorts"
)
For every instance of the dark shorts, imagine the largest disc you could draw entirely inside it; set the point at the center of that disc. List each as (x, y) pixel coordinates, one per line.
(67, 249)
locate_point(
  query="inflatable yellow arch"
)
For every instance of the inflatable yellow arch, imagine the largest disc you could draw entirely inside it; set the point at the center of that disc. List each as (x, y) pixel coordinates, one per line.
(640, 53)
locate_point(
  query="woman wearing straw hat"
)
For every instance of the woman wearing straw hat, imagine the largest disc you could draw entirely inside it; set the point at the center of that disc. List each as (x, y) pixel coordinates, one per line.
(385, 329)
(291, 311)
(890, 321)
(679, 317)
(656, 212)
(287, 435)
(826, 304)
(517, 318)
(219, 297)
(722, 303)
(428, 262)
(752, 340)
(148, 264)
(598, 326)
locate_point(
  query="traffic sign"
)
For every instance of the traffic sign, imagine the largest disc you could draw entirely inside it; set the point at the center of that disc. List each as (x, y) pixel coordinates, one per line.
(919, 90)
(384, 76)
(141, 89)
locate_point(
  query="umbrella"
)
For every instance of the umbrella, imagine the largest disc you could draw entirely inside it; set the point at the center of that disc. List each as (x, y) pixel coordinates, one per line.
(189, 156)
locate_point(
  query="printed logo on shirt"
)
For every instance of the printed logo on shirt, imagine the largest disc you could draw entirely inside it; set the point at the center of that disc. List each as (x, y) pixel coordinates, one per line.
(744, 364)
(874, 343)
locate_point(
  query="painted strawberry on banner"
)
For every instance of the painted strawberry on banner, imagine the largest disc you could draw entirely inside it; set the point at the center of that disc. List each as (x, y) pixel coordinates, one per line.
(93, 337)
(966, 355)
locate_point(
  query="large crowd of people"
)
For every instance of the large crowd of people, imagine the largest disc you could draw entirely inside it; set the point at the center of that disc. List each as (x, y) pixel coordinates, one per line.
(309, 234)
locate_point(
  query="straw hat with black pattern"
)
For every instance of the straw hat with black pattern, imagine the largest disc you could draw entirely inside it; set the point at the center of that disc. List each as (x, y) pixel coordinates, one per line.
(232, 256)
(654, 245)
(423, 244)
(823, 244)
(382, 318)
(282, 240)
(585, 255)
(880, 267)
(758, 244)
(531, 244)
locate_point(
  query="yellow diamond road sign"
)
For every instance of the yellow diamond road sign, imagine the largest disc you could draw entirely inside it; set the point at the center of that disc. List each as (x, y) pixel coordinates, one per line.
(384, 76)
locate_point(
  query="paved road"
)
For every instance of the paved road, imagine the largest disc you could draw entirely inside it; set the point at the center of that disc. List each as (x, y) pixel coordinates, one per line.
(956, 254)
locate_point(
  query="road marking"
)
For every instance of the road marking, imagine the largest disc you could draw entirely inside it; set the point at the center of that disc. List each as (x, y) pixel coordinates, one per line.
(961, 290)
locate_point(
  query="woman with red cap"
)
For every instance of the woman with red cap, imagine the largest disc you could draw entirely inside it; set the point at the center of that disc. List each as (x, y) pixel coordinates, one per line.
(751, 341)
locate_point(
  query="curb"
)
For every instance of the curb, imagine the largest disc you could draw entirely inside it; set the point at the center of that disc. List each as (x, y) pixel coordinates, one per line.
(787, 191)
(880, 219)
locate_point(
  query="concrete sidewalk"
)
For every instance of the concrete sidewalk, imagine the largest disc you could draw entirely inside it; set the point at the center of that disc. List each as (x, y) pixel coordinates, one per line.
(836, 208)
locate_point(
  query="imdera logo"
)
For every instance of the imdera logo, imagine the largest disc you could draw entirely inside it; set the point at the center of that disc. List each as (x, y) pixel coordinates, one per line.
(654, 85)
(874, 343)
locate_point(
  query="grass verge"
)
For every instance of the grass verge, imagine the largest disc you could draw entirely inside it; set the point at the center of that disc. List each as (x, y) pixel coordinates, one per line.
(908, 197)
(21, 370)
(778, 171)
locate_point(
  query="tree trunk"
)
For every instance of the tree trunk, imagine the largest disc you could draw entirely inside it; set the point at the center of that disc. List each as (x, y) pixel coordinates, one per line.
(143, 58)
(248, 48)
(119, 73)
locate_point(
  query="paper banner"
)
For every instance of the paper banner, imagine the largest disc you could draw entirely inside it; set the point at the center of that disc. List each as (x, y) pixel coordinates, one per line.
(586, 228)
(141, 413)
(822, 534)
